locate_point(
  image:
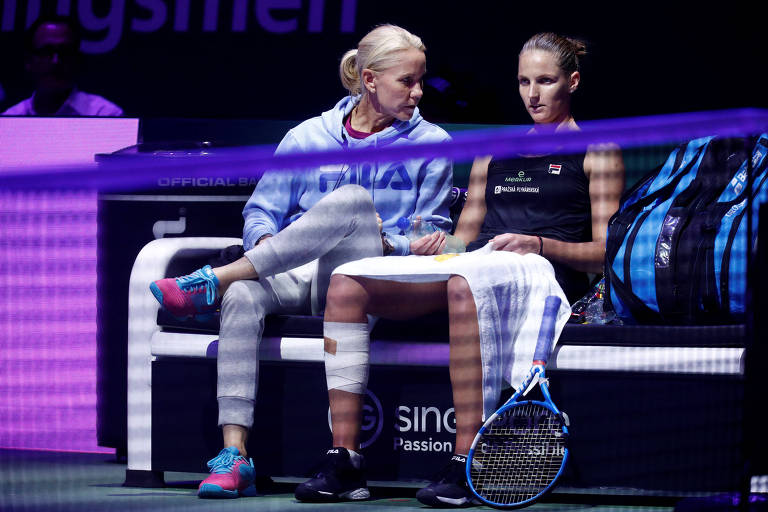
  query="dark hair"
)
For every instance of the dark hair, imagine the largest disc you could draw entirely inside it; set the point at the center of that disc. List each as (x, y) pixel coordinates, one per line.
(70, 22)
(565, 49)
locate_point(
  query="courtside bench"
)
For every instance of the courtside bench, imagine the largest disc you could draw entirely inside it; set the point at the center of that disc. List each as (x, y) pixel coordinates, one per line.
(669, 420)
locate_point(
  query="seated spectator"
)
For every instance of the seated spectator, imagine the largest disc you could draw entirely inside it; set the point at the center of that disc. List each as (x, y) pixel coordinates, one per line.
(53, 61)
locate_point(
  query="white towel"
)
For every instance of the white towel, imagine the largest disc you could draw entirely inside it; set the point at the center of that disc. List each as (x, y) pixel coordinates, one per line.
(509, 291)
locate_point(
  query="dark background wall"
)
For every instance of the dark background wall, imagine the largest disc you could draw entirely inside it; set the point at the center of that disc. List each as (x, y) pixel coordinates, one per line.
(277, 59)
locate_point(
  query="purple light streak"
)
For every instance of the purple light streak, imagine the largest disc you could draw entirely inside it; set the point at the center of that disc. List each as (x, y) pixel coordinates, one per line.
(48, 320)
(631, 132)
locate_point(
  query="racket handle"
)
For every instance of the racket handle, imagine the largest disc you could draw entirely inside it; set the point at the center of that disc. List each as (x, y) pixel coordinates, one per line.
(547, 330)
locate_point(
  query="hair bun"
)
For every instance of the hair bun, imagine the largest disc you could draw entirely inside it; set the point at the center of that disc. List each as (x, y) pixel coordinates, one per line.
(579, 46)
(350, 78)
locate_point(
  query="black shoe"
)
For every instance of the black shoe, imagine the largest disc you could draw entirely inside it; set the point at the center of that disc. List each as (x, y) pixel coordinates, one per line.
(337, 480)
(449, 488)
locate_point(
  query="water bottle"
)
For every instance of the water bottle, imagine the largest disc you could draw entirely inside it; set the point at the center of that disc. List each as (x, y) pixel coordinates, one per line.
(589, 309)
(415, 227)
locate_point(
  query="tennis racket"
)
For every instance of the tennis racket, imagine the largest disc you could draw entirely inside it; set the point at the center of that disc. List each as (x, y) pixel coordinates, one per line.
(520, 451)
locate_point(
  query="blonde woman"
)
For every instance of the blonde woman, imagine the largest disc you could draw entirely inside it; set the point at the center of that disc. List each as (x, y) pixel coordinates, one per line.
(300, 225)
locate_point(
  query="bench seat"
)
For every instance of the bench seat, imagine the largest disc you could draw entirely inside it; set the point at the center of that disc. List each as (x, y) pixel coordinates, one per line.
(587, 357)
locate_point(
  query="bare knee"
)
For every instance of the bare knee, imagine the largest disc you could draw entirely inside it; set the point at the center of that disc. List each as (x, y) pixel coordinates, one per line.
(346, 301)
(459, 290)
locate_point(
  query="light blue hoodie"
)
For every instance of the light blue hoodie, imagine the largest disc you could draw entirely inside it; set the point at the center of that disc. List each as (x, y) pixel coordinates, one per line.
(399, 189)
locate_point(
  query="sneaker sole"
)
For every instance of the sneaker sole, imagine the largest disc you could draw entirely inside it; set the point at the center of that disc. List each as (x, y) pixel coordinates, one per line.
(315, 496)
(358, 494)
(215, 491)
(455, 502)
(156, 292)
(435, 501)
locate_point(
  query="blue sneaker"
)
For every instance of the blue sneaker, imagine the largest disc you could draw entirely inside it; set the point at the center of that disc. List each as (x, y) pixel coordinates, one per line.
(231, 476)
(193, 295)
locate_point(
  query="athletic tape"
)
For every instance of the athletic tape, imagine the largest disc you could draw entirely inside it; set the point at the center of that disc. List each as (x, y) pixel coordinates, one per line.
(347, 347)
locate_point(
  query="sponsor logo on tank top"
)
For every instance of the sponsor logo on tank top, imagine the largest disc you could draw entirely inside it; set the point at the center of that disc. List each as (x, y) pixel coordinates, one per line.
(500, 189)
(555, 168)
(520, 178)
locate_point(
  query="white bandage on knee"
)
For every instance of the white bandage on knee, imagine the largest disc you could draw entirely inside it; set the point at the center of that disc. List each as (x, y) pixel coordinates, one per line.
(346, 356)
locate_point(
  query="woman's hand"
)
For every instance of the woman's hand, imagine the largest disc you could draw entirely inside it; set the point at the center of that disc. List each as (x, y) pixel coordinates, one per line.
(513, 242)
(434, 243)
(379, 222)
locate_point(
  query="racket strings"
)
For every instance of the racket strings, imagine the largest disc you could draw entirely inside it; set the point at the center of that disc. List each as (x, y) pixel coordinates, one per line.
(519, 456)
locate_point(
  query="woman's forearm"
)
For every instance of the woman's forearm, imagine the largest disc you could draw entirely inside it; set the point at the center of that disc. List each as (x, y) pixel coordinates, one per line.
(582, 256)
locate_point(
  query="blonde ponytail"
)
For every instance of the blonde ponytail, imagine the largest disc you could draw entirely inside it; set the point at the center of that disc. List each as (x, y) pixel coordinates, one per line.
(350, 78)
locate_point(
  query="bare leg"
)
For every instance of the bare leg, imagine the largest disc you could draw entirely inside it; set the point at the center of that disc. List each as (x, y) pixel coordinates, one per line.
(235, 435)
(465, 362)
(348, 300)
(235, 271)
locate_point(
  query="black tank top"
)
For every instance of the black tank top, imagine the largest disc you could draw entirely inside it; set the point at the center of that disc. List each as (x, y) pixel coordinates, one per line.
(543, 195)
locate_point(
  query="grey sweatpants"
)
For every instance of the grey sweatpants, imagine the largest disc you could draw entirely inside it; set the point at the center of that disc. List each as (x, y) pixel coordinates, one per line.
(294, 270)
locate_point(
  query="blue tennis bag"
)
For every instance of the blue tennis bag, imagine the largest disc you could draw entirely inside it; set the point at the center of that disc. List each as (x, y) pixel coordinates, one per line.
(676, 251)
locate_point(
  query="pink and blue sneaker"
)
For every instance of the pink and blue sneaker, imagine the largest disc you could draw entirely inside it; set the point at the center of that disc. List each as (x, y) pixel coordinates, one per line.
(232, 475)
(194, 295)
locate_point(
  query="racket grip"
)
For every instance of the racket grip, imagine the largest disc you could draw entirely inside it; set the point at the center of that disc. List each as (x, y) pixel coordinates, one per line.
(547, 330)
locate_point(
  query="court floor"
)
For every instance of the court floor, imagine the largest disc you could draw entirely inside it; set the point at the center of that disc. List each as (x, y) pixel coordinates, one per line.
(55, 481)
